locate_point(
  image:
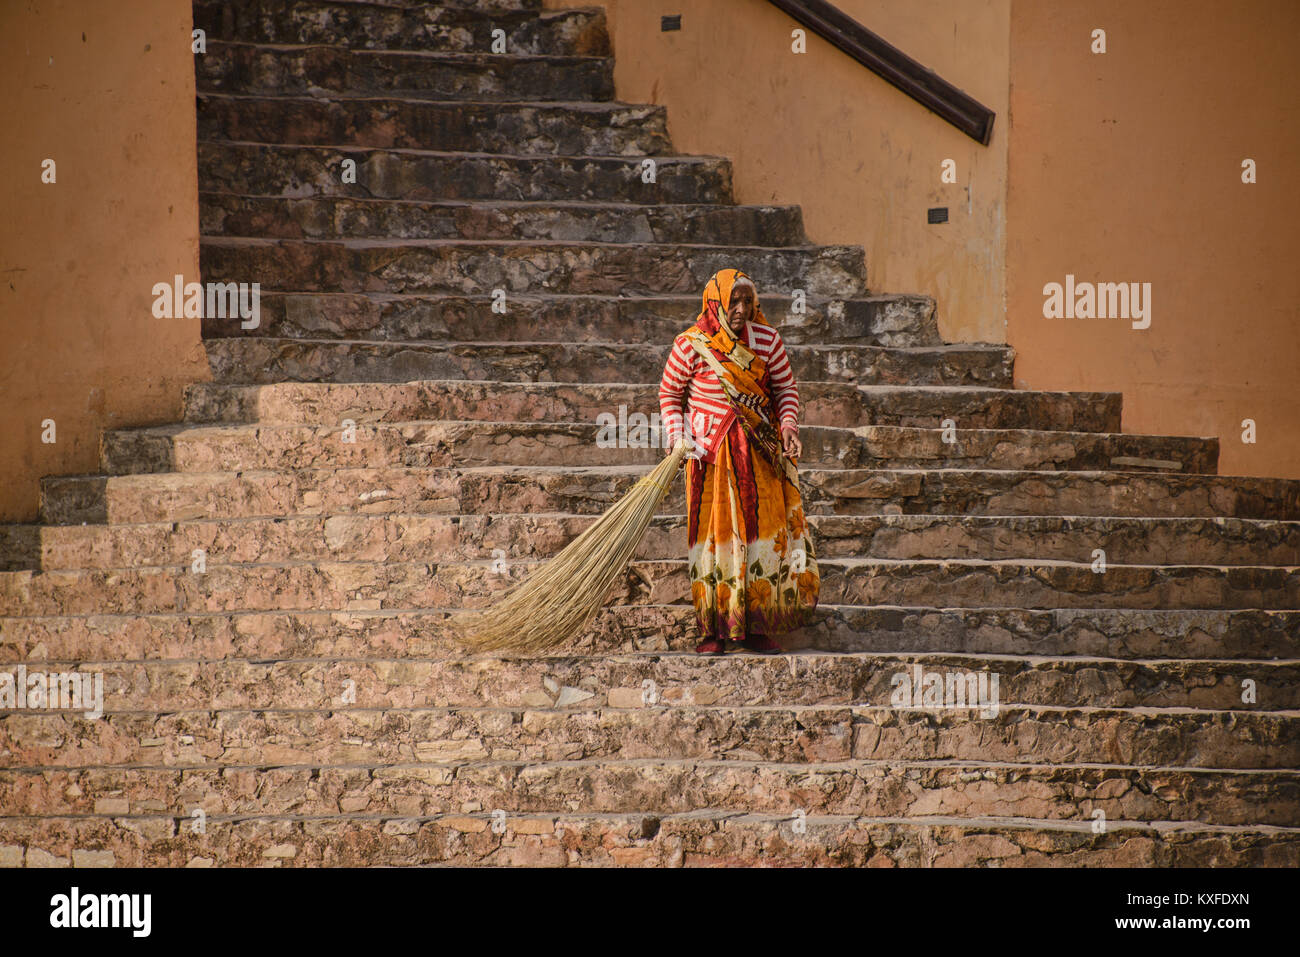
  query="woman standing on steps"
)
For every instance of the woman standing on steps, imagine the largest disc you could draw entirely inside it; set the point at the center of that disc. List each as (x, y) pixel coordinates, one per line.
(752, 566)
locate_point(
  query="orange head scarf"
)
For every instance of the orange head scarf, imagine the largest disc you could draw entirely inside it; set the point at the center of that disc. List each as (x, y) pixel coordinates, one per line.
(717, 299)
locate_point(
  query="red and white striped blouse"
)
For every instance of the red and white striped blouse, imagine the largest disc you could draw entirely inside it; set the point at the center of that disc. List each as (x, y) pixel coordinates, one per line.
(688, 380)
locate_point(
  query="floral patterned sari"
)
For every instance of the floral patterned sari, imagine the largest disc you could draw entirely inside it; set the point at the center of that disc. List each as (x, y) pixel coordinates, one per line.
(752, 564)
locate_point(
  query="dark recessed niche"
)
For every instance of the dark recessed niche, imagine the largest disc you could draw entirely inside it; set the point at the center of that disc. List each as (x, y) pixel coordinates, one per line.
(670, 23)
(937, 214)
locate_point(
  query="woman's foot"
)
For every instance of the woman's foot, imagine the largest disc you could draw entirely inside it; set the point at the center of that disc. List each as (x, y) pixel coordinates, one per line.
(710, 646)
(761, 644)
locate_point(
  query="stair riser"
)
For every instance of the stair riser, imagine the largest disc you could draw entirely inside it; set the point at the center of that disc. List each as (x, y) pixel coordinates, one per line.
(1069, 411)
(473, 537)
(1229, 740)
(1065, 794)
(833, 404)
(291, 265)
(636, 842)
(252, 361)
(392, 123)
(366, 403)
(862, 492)
(889, 447)
(299, 172)
(134, 451)
(736, 680)
(446, 28)
(356, 586)
(70, 500)
(892, 321)
(1100, 632)
(324, 218)
(269, 71)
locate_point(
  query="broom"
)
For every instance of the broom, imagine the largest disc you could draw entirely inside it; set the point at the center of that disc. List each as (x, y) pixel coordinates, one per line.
(560, 598)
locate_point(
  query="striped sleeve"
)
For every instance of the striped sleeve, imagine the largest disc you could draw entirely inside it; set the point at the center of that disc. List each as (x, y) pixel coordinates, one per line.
(678, 372)
(785, 393)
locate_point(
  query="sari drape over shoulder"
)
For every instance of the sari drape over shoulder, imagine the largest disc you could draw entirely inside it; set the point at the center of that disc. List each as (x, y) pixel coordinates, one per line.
(753, 567)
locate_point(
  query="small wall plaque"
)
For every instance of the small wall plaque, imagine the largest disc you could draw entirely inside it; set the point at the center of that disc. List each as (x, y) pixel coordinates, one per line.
(670, 23)
(937, 214)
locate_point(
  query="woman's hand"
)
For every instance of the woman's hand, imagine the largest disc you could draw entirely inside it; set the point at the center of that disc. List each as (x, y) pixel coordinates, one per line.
(790, 440)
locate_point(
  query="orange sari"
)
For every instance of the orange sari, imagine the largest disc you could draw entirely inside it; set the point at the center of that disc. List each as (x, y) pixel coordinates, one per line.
(753, 567)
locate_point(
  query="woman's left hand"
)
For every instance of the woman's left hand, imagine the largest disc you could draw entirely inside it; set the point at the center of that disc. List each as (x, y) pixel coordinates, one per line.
(790, 439)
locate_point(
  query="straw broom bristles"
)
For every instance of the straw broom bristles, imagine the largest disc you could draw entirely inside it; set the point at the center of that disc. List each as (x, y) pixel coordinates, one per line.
(559, 599)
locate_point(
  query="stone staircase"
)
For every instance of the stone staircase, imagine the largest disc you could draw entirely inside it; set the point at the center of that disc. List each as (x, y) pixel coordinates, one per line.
(298, 692)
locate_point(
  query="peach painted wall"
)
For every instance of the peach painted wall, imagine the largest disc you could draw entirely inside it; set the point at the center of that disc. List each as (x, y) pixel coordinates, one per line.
(1126, 166)
(106, 90)
(821, 131)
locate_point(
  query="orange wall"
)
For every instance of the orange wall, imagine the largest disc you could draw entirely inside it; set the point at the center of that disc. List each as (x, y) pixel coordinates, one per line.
(821, 131)
(106, 90)
(1126, 166)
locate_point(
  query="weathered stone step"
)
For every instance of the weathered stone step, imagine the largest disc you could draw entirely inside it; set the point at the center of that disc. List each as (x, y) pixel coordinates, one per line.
(638, 681)
(303, 171)
(1101, 632)
(414, 537)
(459, 26)
(885, 320)
(1063, 793)
(265, 361)
(824, 403)
(573, 128)
(992, 408)
(525, 266)
(309, 71)
(1234, 740)
(889, 446)
(176, 496)
(435, 583)
(328, 217)
(188, 448)
(1010, 492)
(706, 838)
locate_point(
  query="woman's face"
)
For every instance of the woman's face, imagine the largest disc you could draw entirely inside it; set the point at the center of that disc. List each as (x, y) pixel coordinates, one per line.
(740, 308)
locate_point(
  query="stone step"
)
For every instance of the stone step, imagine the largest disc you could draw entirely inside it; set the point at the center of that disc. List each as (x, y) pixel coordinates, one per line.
(683, 679)
(1101, 632)
(707, 838)
(885, 320)
(991, 408)
(177, 496)
(571, 128)
(1010, 492)
(188, 448)
(460, 26)
(525, 266)
(265, 70)
(823, 403)
(1230, 740)
(300, 172)
(413, 537)
(889, 446)
(330, 217)
(435, 583)
(1061, 793)
(266, 361)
